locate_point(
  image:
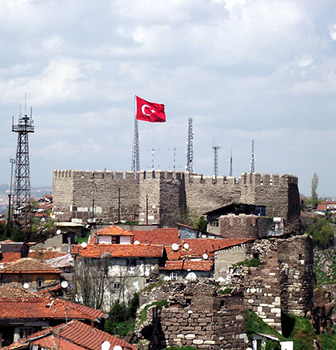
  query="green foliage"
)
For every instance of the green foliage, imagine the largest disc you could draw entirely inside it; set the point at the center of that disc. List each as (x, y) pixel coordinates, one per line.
(201, 223)
(314, 197)
(297, 329)
(226, 291)
(300, 330)
(83, 239)
(321, 231)
(190, 218)
(8, 231)
(328, 341)
(151, 286)
(143, 315)
(325, 266)
(254, 262)
(121, 318)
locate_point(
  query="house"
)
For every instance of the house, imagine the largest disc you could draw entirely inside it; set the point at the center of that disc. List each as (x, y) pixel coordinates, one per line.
(24, 313)
(112, 235)
(30, 274)
(74, 335)
(108, 272)
(194, 258)
(11, 251)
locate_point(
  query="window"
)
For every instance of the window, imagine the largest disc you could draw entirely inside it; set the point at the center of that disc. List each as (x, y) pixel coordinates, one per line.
(116, 285)
(39, 283)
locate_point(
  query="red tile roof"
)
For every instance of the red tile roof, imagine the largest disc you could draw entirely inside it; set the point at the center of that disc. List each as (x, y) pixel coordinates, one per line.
(18, 303)
(45, 254)
(119, 250)
(164, 236)
(186, 265)
(28, 265)
(199, 246)
(73, 335)
(113, 231)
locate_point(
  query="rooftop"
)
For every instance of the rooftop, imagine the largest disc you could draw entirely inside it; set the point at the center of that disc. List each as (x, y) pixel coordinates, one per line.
(164, 236)
(187, 265)
(73, 335)
(17, 303)
(113, 231)
(119, 250)
(28, 265)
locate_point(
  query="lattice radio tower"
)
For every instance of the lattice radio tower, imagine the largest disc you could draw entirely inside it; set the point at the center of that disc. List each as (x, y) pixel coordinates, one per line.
(21, 197)
(190, 148)
(252, 158)
(231, 169)
(215, 164)
(135, 150)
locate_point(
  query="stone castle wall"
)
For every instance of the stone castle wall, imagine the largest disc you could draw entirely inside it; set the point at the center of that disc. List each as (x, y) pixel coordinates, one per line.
(157, 196)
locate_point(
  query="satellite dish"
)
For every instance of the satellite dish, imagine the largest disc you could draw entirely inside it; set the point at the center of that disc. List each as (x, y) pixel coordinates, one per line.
(106, 345)
(64, 284)
(175, 247)
(136, 242)
(191, 276)
(117, 347)
(186, 246)
(205, 256)
(58, 232)
(84, 245)
(25, 285)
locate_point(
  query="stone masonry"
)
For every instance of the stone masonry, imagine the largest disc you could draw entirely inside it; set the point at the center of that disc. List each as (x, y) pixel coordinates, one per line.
(197, 316)
(283, 281)
(157, 197)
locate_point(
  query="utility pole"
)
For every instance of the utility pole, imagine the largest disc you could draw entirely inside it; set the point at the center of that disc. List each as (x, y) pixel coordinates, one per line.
(252, 169)
(12, 161)
(190, 147)
(119, 197)
(21, 198)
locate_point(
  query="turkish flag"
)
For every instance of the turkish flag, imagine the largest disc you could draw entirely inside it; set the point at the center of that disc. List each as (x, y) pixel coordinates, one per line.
(149, 111)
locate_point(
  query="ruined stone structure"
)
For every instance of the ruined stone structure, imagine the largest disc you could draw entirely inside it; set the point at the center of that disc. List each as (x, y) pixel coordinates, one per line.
(197, 316)
(284, 280)
(157, 197)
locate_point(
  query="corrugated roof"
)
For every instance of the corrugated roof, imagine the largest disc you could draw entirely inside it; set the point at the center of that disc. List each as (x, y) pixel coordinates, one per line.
(17, 303)
(74, 333)
(113, 231)
(119, 250)
(28, 265)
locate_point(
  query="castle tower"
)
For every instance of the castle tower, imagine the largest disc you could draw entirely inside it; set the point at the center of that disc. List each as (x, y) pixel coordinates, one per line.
(21, 195)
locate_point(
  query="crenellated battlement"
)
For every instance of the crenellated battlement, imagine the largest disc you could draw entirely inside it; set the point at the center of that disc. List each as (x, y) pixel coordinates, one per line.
(246, 179)
(162, 194)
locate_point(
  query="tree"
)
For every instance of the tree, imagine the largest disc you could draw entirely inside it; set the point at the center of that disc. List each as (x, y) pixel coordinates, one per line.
(322, 232)
(314, 184)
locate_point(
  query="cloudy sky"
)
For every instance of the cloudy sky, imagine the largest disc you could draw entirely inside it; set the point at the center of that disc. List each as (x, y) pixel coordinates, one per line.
(242, 69)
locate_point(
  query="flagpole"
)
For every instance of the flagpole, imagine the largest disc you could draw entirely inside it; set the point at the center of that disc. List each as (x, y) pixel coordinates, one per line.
(135, 150)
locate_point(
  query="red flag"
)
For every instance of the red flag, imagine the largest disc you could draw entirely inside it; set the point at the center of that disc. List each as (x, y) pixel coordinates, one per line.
(149, 111)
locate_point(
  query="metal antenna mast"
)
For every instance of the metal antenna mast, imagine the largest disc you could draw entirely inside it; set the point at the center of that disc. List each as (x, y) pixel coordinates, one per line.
(153, 156)
(230, 173)
(215, 165)
(135, 151)
(190, 147)
(21, 197)
(252, 158)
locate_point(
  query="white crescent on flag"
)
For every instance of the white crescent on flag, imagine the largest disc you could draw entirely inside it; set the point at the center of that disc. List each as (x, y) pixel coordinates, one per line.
(143, 110)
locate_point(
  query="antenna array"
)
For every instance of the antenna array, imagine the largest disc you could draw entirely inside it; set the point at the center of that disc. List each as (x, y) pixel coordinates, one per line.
(252, 169)
(215, 164)
(190, 147)
(21, 197)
